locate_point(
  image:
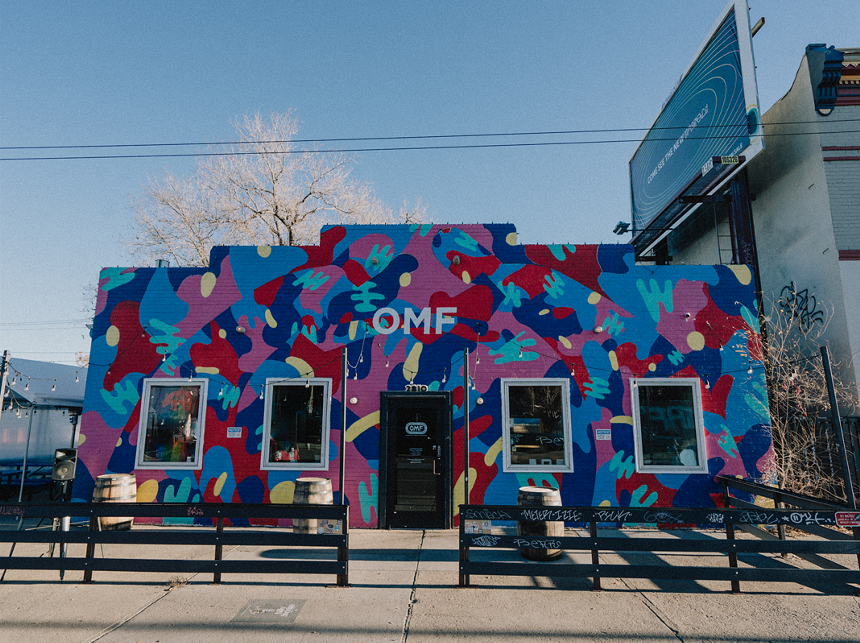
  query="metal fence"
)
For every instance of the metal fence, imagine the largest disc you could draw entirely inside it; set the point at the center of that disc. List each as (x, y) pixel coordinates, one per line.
(217, 537)
(814, 522)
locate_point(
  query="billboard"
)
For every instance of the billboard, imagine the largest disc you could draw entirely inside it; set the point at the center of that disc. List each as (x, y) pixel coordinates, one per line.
(712, 112)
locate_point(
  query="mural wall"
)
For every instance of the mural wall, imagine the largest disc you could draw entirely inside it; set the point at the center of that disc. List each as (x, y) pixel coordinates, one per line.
(581, 312)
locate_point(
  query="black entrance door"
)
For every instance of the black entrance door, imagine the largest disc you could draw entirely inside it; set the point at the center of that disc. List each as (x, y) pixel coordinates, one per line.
(415, 460)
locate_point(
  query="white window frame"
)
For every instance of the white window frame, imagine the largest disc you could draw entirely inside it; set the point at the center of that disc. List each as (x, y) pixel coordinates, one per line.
(148, 385)
(564, 384)
(323, 464)
(689, 382)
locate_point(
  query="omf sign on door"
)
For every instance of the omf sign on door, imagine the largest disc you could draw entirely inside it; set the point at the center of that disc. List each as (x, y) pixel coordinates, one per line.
(416, 428)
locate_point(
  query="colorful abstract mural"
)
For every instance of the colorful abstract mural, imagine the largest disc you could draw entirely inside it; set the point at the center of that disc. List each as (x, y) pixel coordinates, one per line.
(406, 301)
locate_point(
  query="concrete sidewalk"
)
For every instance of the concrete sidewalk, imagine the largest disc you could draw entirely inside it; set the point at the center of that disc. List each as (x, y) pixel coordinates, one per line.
(403, 588)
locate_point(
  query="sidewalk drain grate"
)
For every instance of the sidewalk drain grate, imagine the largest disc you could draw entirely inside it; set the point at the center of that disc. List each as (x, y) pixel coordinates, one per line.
(257, 611)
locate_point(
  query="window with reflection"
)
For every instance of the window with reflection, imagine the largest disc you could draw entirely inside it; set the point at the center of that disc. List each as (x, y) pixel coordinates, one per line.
(296, 424)
(171, 424)
(667, 426)
(536, 418)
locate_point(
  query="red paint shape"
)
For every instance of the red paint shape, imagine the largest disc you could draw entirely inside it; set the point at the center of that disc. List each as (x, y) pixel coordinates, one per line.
(265, 294)
(355, 272)
(581, 266)
(715, 325)
(220, 354)
(664, 494)
(324, 363)
(457, 396)
(472, 265)
(562, 311)
(530, 278)
(714, 400)
(475, 302)
(345, 318)
(142, 357)
(308, 321)
(323, 254)
(626, 356)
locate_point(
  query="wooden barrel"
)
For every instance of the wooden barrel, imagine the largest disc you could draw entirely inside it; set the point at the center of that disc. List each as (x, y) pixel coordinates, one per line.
(311, 491)
(115, 487)
(539, 530)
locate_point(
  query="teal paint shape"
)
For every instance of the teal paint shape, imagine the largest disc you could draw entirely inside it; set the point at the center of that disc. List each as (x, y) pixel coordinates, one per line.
(756, 402)
(557, 250)
(182, 494)
(161, 333)
(365, 297)
(513, 295)
(750, 318)
(638, 499)
(466, 241)
(597, 387)
(230, 397)
(675, 357)
(654, 296)
(625, 466)
(116, 277)
(383, 258)
(124, 392)
(613, 325)
(538, 478)
(309, 280)
(510, 351)
(553, 285)
(367, 500)
(727, 442)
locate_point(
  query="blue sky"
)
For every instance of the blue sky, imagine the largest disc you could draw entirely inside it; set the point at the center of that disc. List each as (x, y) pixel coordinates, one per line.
(82, 73)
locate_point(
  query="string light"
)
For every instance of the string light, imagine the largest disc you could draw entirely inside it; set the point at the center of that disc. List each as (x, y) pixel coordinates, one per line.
(54, 387)
(308, 383)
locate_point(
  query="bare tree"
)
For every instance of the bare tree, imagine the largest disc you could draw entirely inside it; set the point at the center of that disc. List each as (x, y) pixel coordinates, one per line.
(261, 191)
(806, 459)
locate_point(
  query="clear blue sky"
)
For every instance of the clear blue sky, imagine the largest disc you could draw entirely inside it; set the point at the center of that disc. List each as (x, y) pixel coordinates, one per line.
(77, 73)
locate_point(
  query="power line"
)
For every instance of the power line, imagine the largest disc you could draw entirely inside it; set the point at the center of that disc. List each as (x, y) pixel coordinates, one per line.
(387, 148)
(400, 138)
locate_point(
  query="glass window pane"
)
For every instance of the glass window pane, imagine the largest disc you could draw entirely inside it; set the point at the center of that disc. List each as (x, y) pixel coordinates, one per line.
(296, 430)
(536, 425)
(172, 426)
(668, 426)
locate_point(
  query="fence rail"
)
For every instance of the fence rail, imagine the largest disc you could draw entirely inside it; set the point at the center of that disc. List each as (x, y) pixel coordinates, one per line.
(218, 513)
(475, 516)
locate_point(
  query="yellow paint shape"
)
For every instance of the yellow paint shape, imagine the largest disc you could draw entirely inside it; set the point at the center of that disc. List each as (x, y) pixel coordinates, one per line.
(605, 503)
(210, 370)
(81, 439)
(492, 452)
(270, 320)
(361, 425)
(652, 367)
(459, 496)
(613, 360)
(301, 366)
(219, 484)
(207, 283)
(742, 274)
(353, 329)
(410, 366)
(696, 340)
(511, 238)
(119, 442)
(147, 491)
(593, 298)
(112, 336)
(545, 311)
(405, 279)
(222, 333)
(264, 251)
(282, 493)
(564, 341)
(467, 279)
(622, 419)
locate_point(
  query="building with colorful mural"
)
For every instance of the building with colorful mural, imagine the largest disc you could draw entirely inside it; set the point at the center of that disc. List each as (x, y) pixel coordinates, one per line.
(620, 384)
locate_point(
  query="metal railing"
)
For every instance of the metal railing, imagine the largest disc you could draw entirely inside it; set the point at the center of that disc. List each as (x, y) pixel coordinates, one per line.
(474, 517)
(217, 538)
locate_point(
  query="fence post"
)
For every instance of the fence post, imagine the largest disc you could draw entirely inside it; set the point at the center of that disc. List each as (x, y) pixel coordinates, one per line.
(730, 535)
(219, 547)
(464, 551)
(595, 555)
(837, 427)
(343, 552)
(91, 550)
(780, 528)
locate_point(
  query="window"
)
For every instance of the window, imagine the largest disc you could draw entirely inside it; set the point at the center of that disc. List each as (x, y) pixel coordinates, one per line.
(171, 424)
(536, 425)
(296, 424)
(667, 426)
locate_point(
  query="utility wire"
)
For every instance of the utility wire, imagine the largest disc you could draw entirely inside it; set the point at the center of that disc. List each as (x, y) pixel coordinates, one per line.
(403, 138)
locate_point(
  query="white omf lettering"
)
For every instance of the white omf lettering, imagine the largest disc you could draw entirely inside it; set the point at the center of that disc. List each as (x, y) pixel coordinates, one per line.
(410, 319)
